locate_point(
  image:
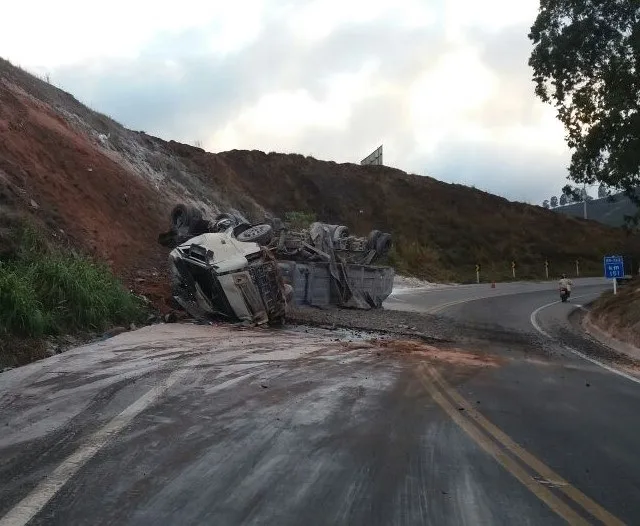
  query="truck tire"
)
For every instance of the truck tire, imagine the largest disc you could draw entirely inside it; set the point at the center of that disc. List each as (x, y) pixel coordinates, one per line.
(383, 244)
(372, 240)
(184, 218)
(240, 228)
(340, 232)
(261, 233)
(230, 217)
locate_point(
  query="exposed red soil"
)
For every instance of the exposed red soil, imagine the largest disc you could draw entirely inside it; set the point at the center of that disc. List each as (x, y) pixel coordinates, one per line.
(54, 169)
(78, 189)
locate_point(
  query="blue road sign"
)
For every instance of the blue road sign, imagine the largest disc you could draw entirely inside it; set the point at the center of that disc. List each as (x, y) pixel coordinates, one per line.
(613, 267)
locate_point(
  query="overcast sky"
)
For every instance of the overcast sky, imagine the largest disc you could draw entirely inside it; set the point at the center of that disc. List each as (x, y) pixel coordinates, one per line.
(443, 84)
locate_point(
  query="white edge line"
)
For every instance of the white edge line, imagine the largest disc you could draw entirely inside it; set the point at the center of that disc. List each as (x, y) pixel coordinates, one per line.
(537, 327)
(38, 498)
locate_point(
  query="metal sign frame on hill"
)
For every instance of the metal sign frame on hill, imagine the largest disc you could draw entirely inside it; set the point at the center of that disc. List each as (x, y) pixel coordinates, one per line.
(374, 158)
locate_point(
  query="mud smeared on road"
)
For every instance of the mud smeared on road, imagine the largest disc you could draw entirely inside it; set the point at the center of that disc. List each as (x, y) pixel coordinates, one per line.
(451, 356)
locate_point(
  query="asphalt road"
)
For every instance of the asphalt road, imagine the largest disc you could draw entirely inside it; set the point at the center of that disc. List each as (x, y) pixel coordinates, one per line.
(187, 424)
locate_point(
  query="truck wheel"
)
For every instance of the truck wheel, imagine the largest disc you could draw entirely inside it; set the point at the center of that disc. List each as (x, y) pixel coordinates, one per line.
(383, 244)
(180, 217)
(241, 228)
(184, 218)
(230, 217)
(372, 240)
(261, 234)
(340, 232)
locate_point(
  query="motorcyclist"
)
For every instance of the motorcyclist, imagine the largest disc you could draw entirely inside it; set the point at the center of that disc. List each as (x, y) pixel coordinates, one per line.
(565, 284)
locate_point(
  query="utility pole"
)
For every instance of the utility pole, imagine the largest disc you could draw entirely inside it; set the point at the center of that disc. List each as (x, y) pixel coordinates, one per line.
(584, 199)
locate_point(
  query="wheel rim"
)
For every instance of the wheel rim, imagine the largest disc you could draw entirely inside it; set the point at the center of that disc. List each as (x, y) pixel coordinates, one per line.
(254, 231)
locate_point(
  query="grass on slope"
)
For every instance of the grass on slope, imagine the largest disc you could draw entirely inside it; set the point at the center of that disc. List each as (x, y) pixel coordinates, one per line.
(46, 292)
(619, 315)
(440, 231)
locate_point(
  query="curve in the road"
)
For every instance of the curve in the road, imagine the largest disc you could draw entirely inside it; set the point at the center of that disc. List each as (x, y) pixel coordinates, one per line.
(436, 301)
(537, 327)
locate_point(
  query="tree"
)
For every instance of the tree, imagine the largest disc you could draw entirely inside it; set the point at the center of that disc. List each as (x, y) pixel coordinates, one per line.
(585, 61)
(554, 201)
(602, 191)
(545, 203)
(575, 194)
(563, 200)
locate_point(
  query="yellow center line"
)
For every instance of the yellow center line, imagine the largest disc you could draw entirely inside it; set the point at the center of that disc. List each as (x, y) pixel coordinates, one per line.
(543, 493)
(527, 458)
(437, 308)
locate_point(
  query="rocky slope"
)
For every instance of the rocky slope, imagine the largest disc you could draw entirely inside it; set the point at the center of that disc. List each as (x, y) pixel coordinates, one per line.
(107, 190)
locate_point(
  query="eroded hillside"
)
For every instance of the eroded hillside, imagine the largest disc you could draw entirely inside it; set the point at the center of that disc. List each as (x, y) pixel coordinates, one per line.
(108, 190)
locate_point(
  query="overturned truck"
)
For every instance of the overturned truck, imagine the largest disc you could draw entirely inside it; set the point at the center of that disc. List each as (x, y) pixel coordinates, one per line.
(229, 268)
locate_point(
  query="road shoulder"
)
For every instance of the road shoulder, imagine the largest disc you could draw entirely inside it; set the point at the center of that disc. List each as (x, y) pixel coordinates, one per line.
(609, 340)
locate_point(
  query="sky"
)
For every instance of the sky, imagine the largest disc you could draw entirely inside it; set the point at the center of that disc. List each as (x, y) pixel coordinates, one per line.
(443, 85)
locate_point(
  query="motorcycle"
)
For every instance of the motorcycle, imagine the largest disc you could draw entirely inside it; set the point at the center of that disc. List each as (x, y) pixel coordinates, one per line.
(564, 295)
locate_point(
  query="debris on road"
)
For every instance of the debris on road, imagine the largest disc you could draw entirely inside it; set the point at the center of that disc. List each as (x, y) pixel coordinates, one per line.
(409, 282)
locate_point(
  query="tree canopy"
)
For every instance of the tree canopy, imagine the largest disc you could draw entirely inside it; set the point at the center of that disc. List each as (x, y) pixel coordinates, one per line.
(586, 62)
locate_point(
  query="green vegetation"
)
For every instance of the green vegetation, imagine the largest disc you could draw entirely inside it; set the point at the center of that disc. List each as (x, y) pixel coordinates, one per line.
(45, 292)
(585, 62)
(300, 220)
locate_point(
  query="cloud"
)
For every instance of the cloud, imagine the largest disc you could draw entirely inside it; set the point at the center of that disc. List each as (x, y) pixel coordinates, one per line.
(523, 176)
(444, 84)
(169, 90)
(66, 32)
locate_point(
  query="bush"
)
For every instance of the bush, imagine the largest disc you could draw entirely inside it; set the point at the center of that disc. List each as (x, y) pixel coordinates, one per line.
(43, 291)
(20, 310)
(299, 220)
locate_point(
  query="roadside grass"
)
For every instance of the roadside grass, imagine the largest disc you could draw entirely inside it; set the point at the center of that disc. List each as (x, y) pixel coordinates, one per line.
(44, 291)
(619, 314)
(621, 310)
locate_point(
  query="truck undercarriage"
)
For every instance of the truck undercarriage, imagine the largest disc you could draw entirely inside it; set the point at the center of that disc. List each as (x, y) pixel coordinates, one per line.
(230, 269)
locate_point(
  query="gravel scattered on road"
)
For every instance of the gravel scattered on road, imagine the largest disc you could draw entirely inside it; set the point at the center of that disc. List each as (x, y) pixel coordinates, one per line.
(429, 327)
(378, 320)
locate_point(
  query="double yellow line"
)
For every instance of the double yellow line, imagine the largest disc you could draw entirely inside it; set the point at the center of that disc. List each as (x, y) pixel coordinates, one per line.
(510, 455)
(438, 308)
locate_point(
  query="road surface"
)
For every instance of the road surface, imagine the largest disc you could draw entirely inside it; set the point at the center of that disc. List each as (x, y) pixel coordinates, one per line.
(189, 424)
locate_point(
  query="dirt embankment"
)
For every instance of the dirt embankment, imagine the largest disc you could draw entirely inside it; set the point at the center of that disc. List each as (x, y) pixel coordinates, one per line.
(108, 191)
(618, 316)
